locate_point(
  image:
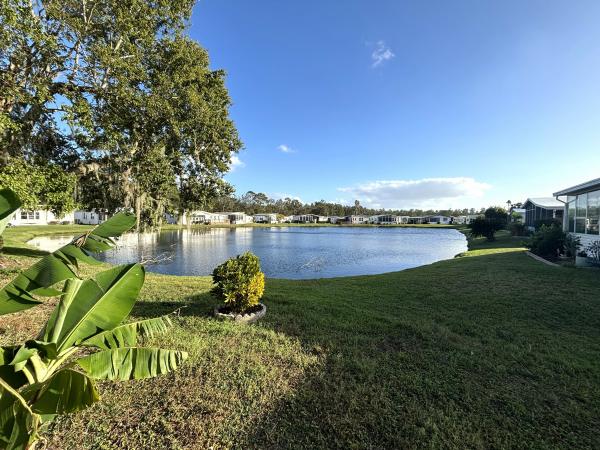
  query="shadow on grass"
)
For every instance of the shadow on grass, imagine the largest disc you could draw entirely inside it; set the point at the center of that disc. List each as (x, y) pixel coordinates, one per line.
(444, 356)
(200, 305)
(23, 251)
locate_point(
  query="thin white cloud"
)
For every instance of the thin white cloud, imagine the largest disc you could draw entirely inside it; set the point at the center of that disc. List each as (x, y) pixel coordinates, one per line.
(285, 149)
(381, 54)
(236, 163)
(434, 193)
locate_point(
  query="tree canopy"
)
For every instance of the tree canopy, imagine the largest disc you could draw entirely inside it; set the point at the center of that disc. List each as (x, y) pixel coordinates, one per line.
(40, 184)
(116, 93)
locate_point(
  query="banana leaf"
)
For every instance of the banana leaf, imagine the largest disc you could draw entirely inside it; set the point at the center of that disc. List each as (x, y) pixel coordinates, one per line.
(92, 306)
(9, 203)
(59, 265)
(65, 392)
(127, 335)
(131, 363)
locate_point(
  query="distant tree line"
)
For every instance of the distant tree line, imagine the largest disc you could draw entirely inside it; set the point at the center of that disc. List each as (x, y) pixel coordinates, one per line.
(258, 202)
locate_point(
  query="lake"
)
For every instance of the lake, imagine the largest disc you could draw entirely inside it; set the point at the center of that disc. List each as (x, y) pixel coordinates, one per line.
(285, 252)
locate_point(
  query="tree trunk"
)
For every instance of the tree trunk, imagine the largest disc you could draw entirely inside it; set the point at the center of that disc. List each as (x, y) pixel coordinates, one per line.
(138, 212)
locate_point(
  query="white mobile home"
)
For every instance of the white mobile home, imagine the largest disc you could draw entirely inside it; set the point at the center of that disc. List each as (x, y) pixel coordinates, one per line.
(465, 220)
(385, 219)
(265, 218)
(39, 217)
(441, 220)
(582, 215)
(305, 218)
(238, 218)
(208, 218)
(357, 219)
(92, 217)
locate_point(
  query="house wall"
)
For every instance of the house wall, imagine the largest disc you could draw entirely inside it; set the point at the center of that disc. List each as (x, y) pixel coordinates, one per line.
(240, 218)
(265, 218)
(38, 217)
(534, 214)
(89, 217)
(582, 218)
(586, 239)
(358, 219)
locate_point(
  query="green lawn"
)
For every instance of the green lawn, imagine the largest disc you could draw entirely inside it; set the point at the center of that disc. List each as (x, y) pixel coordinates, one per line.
(489, 350)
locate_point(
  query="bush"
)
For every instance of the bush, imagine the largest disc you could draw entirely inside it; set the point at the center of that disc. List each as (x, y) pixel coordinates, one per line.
(482, 226)
(548, 241)
(239, 282)
(547, 222)
(572, 244)
(496, 213)
(517, 229)
(593, 253)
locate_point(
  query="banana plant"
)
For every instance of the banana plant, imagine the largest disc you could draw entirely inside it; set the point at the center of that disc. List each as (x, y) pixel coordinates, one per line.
(9, 203)
(84, 339)
(63, 264)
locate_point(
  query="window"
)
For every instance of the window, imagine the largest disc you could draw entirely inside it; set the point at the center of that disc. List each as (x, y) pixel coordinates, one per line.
(581, 213)
(571, 213)
(30, 215)
(593, 212)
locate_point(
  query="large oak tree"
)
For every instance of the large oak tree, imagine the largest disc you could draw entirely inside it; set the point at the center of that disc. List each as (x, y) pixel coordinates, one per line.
(114, 91)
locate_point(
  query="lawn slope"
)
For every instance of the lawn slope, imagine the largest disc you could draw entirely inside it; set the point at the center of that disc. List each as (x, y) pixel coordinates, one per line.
(489, 350)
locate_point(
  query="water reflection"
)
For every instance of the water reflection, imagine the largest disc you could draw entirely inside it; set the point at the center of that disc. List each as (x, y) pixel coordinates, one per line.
(288, 252)
(50, 243)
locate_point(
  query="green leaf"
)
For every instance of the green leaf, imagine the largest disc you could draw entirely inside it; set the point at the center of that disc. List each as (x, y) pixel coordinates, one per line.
(24, 428)
(56, 267)
(116, 225)
(18, 426)
(65, 392)
(7, 416)
(77, 254)
(46, 292)
(95, 305)
(48, 271)
(9, 203)
(127, 335)
(97, 244)
(21, 357)
(46, 349)
(14, 378)
(131, 363)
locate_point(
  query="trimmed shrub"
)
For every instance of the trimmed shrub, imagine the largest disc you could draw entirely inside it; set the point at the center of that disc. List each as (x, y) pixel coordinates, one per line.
(482, 226)
(239, 282)
(496, 213)
(547, 222)
(572, 244)
(548, 241)
(517, 229)
(593, 253)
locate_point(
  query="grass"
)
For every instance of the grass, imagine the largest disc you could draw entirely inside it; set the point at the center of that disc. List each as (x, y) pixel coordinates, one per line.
(489, 350)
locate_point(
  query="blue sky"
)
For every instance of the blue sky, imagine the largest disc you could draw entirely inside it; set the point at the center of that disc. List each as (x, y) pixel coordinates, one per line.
(406, 104)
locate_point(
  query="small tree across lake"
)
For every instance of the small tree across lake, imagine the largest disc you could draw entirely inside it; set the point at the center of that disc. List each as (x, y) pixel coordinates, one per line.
(494, 220)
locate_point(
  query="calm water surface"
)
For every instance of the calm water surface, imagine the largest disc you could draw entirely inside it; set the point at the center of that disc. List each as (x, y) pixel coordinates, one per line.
(285, 252)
